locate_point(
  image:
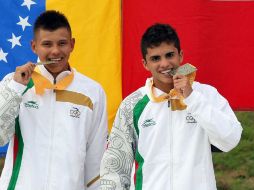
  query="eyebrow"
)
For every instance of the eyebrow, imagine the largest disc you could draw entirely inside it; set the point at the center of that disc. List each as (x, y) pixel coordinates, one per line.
(46, 41)
(164, 54)
(154, 56)
(170, 52)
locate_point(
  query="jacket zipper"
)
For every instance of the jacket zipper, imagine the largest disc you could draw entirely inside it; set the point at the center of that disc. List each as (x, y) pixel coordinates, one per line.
(47, 187)
(171, 148)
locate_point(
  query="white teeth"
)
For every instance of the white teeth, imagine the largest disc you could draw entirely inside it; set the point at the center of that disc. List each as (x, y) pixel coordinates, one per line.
(166, 72)
(55, 59)
(169, 72)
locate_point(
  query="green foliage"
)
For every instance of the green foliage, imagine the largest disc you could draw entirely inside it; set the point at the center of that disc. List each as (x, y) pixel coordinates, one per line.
(1, 164)
(235, 170)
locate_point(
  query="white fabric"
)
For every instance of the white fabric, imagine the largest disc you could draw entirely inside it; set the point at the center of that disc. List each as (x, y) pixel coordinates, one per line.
(175, 145)
(9, 107)
(61, 151)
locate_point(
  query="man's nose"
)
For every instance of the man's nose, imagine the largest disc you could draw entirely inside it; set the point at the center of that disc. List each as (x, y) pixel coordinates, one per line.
(55, 49)
(165, 62)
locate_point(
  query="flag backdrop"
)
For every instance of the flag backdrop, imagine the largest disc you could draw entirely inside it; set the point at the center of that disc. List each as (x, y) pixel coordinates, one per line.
(216, 37)
(96, 26)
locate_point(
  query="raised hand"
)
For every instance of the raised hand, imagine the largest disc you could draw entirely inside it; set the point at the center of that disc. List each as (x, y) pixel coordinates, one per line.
(23, 73)
(182, 85)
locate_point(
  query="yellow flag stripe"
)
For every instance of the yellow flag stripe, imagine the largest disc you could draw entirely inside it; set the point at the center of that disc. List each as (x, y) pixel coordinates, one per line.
(96, 27)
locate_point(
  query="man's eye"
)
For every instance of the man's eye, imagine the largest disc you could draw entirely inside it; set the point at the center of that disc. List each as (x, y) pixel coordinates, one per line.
(169, 55)
(155, 58)
(46, 44)
(62, 43)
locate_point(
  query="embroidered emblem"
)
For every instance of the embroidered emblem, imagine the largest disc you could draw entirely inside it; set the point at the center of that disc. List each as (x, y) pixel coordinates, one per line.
(148, 123)
(190, 119)
(31, 104)
(74, 112)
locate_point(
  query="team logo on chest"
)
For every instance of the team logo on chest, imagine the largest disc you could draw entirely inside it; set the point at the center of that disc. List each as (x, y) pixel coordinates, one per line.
(74, 112)
(31, 104)
(148, 123)
(190, 118)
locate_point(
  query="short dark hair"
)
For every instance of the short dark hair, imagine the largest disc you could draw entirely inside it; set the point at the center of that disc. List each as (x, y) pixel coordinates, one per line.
(158, 33)
(51, 20)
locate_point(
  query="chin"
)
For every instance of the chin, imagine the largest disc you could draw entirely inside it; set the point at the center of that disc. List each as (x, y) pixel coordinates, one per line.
(54, 69)
(168, 81)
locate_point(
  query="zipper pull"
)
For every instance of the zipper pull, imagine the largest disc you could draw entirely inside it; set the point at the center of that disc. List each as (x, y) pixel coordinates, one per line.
(54, 84)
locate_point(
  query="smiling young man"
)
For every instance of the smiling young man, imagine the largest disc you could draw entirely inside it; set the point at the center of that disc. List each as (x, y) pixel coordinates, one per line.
(53, 117)
(169, 140)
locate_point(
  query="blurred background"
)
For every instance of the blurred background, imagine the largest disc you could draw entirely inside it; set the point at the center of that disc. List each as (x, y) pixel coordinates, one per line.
(216, 37)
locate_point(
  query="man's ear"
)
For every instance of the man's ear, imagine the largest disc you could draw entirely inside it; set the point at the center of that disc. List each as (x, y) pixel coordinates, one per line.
(72, 43)
(181, 56)
(145, 64)
(33, 47)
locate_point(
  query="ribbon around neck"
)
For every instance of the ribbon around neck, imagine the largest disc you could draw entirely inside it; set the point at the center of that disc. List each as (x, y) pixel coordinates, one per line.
(41, 83)
(175, 98)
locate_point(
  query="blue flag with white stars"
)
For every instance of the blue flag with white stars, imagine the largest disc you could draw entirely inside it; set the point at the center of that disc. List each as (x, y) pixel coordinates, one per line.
(16, 32)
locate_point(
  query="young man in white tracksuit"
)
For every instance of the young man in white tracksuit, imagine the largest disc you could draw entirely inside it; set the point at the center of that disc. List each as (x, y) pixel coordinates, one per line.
(167, 126)
(53, 117)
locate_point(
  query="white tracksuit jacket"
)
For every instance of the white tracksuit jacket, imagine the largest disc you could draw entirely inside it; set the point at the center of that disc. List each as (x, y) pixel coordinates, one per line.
(171, 149)
(60, 136)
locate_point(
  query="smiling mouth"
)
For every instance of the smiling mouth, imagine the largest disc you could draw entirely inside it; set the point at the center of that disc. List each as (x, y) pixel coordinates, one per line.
(170, 72)
(55, 60)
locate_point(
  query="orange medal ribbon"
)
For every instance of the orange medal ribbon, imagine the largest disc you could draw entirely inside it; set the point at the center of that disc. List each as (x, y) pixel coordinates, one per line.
(41, 83)
(174, 96)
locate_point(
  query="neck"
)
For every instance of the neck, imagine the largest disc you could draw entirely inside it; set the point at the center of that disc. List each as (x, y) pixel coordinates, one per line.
(164, 87)
(55, 74)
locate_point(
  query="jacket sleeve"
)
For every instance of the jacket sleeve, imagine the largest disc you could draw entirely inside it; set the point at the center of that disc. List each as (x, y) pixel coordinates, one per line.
(117, 161)
(215, 116)
(97, 141)
(10, 99)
